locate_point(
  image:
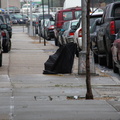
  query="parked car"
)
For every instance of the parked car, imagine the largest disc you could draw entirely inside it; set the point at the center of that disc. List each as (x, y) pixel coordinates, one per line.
(9, 23)
(25, 18)
(116, 54)
(42, 27)
(95, 18)
(5, 18)
(64, 16)
(6, 42)
(46, 9)
(49, 33)
(17, 18)
(77, 38)
(26, 9)
(109, 27)
(38, 21)
(0, 49)
(67, 32)
(12, 9)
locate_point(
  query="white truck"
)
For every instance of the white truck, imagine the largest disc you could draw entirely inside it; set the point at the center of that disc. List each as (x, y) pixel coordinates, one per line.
(71, 3)
(26, 8)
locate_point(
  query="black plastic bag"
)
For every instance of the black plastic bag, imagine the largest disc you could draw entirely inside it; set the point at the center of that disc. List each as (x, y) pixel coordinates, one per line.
(61, 61)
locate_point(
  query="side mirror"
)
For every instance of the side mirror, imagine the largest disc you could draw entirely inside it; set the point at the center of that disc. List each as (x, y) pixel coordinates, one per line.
(98, 21)
(3, 26)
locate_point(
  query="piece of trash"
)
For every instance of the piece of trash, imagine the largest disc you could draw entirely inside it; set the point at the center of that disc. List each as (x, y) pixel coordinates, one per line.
(75, 97)
(102, 71)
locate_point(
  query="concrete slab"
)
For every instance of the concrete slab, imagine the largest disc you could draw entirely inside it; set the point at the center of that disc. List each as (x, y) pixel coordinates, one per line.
(66, 110)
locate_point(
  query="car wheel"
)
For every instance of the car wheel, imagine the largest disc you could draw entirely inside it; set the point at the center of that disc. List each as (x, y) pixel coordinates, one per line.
(56, 41)
(115, 69)
(95, 58)
(109, 60)
(7, 48)
(0, 59)
(102, 61)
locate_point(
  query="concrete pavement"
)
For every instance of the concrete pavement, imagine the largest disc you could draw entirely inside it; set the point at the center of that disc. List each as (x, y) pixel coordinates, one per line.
(27, 94)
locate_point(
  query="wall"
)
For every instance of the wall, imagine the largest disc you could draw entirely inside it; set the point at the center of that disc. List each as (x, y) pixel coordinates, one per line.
(11, 3)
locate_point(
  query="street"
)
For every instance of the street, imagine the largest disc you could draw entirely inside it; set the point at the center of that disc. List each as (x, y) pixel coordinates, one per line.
(27, 94)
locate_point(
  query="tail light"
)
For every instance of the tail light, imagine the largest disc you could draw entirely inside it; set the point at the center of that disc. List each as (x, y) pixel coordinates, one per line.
(71, 33)
(36, 23)
(51, 27)
(3, 33)
(112, 27)
(80, 33)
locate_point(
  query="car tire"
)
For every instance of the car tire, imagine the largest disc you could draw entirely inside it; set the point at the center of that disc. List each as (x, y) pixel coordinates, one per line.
(0, 59)
(102, 61)
(115, 69)
(109, 61)
(56, 41)
(95, 58)
(7, 48)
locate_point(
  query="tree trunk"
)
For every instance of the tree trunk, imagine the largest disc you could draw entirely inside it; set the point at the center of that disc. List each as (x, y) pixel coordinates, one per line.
(89, 94)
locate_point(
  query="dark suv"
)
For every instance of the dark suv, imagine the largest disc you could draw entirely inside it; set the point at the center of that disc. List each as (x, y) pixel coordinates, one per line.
(9, 23)
(0, 50)
(5, 18)
(6, 42)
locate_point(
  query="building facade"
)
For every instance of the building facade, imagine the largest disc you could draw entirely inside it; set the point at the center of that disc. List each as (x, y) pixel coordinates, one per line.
(6, 3)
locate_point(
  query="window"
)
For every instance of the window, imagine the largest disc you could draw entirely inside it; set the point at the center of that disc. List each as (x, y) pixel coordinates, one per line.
(77, 14)
(117, 11)
(67, 15)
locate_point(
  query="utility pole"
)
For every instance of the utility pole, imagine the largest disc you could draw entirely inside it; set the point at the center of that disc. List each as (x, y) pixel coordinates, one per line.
(82, 54)
(85, 62)
(31, 27)
(8, 6)
(89, 94)
(0, 3)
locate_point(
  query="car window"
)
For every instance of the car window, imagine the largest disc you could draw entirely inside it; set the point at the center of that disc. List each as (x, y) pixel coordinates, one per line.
(64, 26)
(1, 18)
(74, 23)
(52, 22)
(93, 27)
(117, 11)
(78, 14)
(67, 15)
(18, 15)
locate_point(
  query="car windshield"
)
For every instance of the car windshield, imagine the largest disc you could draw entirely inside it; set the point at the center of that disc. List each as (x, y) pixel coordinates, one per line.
(17, 15)
(52, 22)
(67, 15)
(26, 6)
(74, 23)
(78, 14)
(1, 18)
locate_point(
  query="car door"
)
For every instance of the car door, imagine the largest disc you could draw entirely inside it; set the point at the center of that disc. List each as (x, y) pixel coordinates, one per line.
(65, 34)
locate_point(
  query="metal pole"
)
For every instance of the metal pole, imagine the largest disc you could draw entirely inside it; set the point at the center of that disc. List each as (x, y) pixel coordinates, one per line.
(8, 6)
(0, 3)
(31, 27)
(43, 21)
(84, 25)
(48, 7)
(82, 54)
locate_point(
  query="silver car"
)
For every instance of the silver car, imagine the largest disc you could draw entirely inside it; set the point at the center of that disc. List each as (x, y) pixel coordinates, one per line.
(67, 32)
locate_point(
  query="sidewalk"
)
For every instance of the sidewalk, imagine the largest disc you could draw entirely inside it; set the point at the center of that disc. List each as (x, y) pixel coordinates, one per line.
(35, 96)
